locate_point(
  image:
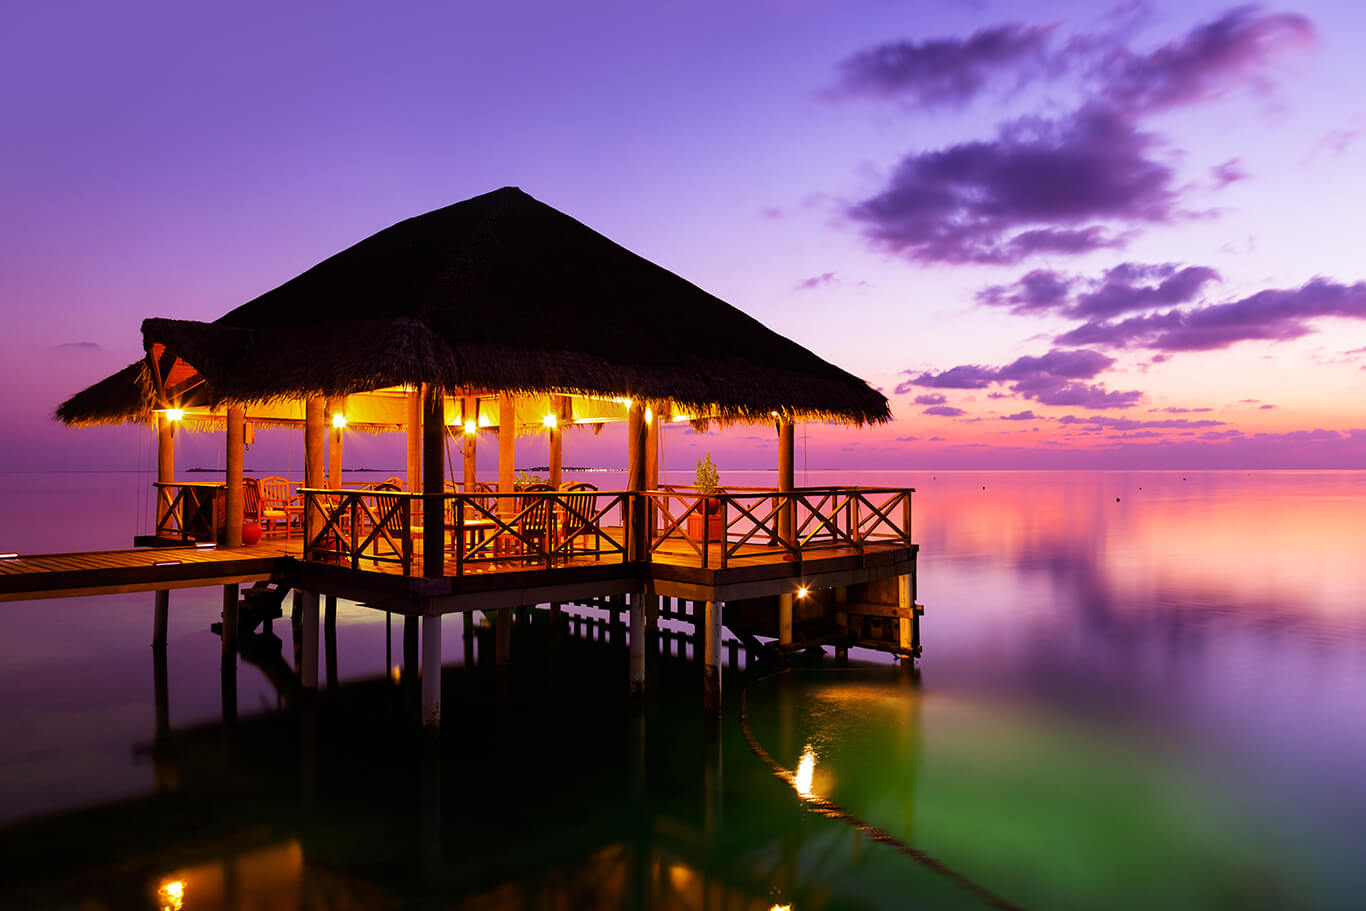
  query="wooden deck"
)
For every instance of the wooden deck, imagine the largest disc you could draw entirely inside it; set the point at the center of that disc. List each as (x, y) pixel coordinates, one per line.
(108, 572)
(675, 570)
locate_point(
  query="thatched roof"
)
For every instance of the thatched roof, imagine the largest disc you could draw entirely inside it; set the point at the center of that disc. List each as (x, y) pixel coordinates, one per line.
(496, 293)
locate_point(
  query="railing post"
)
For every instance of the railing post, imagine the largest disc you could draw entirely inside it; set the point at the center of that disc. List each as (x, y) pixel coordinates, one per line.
(407, 513)
(725, 529)
(355, 535)
(706, 532)
(906, 517)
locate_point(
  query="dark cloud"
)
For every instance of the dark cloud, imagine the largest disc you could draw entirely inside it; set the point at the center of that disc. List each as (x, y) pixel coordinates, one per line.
(1274, 315)
(1021, 416)
(1126, 288)
(1265, 407)
(1040, 178)
(945, 411)
(79, 346)
(1207, 62)
(931, 399)
(1051, 379)
(1052, 185)
(907, 439)
(945, 72)
(1100, 422)
(1175, 410)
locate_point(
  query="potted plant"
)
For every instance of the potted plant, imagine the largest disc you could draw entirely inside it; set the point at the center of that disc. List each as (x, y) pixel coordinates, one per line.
(709, 505)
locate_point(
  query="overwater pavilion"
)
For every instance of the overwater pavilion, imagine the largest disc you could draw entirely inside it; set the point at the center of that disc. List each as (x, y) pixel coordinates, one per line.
(496, 317)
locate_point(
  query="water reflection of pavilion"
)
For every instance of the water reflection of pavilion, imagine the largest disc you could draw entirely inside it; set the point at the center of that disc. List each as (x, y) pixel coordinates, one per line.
(307, 808)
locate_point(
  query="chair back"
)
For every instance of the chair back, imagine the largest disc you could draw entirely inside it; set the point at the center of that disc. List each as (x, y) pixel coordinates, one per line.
(535, 508)
(396, 482)
(393, 523)
(251, 501)
(580, 504)
(275, 492)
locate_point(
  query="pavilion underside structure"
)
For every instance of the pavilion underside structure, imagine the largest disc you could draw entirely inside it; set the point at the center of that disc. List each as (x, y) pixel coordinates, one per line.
(486, 321)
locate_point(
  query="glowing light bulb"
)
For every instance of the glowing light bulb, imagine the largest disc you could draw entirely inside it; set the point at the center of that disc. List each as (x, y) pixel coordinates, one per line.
(550, 421)
(649, 415)
(471, 428)
(175, 414)
(339, 421)
(803, 592)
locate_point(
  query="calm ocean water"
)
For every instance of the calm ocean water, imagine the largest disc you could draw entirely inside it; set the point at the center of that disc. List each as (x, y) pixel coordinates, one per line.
(1139, 689)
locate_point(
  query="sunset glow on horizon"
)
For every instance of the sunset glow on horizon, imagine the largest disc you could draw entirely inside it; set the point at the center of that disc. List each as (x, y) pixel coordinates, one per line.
(1054, 235)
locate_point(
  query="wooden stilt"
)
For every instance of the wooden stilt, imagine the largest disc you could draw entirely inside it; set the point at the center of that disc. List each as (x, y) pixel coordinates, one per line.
(308, 625)
(635, 480)
(431, 670)
(411, 625)
(229, 635)
(503, 637)
(330, 640)
(637, 644)
(785, 618)
(904, 601)
(160, 618)
(165, 465)
(711, 661)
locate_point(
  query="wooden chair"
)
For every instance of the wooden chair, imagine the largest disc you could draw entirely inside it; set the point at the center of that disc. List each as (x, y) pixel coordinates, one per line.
(536, 520)
(580, 506)
(392, 523)
(275, 502)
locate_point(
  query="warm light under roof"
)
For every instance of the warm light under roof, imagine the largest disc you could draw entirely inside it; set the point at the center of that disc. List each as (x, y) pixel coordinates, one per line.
(175, 414)
(339, 421)
(471, 428)
(550, 421)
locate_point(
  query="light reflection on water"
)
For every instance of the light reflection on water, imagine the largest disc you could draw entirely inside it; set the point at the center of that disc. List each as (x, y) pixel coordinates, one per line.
(1138, 689)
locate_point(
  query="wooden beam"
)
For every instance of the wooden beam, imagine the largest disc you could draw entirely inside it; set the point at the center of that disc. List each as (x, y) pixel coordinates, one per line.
(711, 659)
(637, 653)
(635, 479)
(233, 501)
(433, 482)
(165, 461)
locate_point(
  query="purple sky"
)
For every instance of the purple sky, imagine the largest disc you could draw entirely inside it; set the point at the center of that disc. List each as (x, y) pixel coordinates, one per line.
(1054, 234)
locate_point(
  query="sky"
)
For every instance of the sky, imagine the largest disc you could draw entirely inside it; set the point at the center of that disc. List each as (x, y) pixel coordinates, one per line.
(1054, 234)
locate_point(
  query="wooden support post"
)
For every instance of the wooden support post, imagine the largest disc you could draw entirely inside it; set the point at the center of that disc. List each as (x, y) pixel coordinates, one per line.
(635, 479)
(308, 626)
(411, 637)
(638, 644)
(233, 500)
(433, 483)
(165, 465)
(711, 659)
(431, 670)
(229, 636)
(315, 436)
(507, 453)
(786, 479)
(654, 425)
(414, 429)
(905, 602)
(502, 625)
(330, 640)
(556, 442)
(160, 617)
(336, 405)
(785, 618)
(471, 439)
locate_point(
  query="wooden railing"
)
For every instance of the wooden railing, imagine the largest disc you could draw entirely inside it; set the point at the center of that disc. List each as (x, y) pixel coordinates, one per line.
(543, 529)
(537, 529)
(769, 523)
(351, 527)
(188, 510)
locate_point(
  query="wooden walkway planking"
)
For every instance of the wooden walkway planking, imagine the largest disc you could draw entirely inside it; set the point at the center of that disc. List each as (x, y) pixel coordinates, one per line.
(106, 572)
